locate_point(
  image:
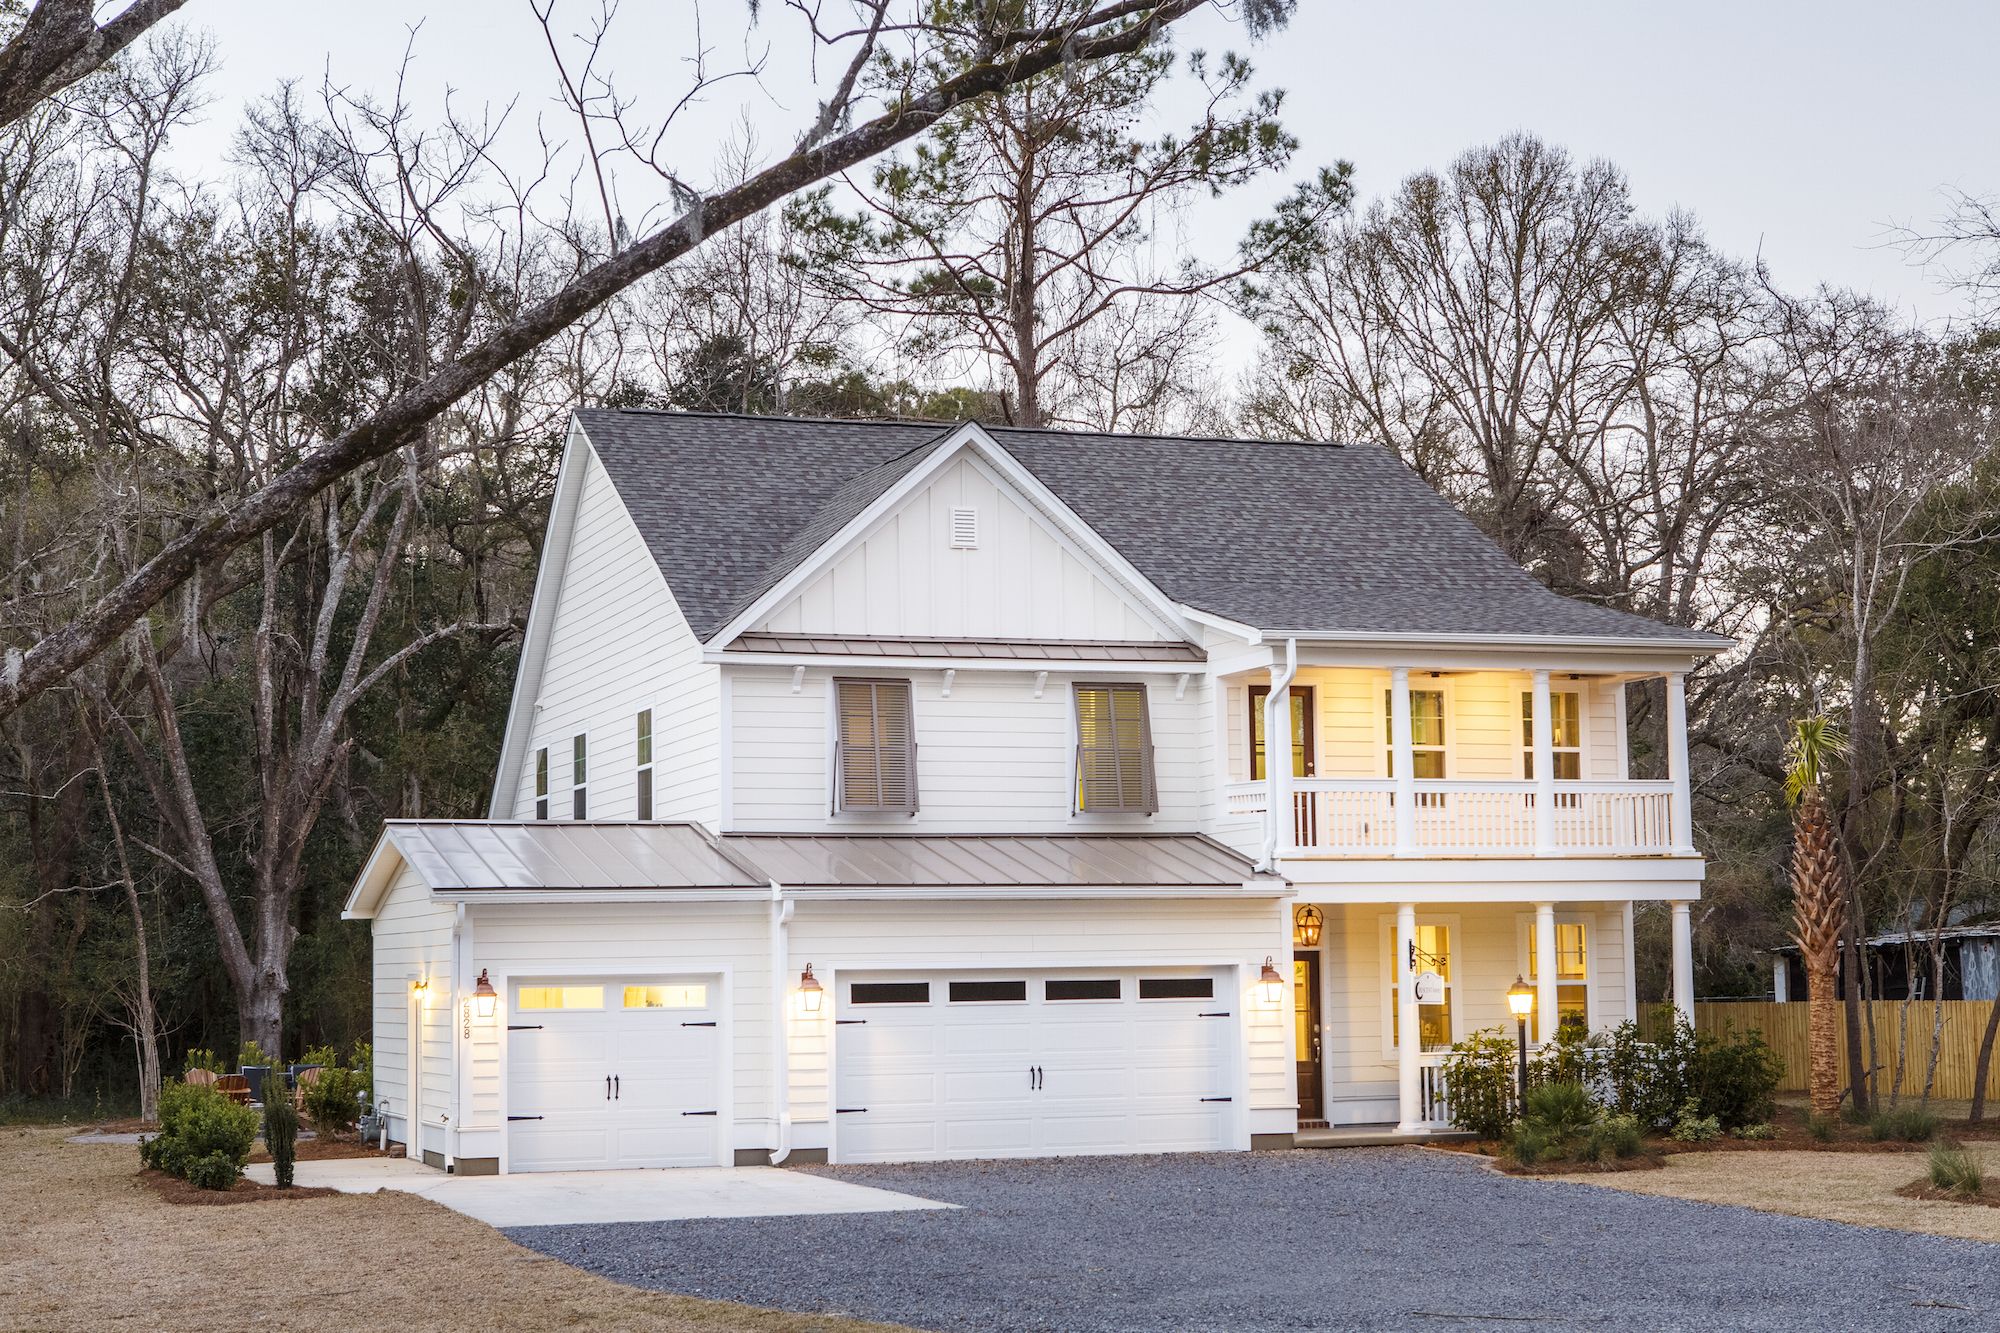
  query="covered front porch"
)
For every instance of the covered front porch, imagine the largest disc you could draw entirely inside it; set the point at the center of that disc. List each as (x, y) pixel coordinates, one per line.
(1366, 973)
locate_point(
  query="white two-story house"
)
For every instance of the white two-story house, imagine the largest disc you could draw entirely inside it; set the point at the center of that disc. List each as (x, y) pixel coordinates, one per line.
(890, 791)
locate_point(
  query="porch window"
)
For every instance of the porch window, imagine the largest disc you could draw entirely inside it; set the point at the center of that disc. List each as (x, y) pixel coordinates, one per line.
(1114, 751)
(875, 747)
(1565, 730)
(542, 783)
(1433, 1020)
(643, 754)
(1302, 731)
(1572, 975)
(1426, 732)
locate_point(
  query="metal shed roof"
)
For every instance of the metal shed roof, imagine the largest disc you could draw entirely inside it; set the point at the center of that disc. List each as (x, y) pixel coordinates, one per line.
(1051, 650)
(995, 861)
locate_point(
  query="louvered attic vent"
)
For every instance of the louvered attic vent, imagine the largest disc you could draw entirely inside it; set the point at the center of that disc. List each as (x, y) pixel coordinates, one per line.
(964, 528)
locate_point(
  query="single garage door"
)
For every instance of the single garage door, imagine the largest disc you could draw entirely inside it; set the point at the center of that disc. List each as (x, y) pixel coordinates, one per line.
(614, 1073)
(964, 1065)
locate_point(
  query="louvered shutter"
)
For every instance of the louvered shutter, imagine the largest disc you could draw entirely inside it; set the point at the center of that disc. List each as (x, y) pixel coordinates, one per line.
(875, 747)
(1114, 751)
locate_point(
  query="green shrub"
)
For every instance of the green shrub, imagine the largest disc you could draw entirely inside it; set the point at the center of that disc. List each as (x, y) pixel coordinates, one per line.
(281, 1136)
(1736, 1077)
(198, 1125)
(1530, 1143)
(363, 1064)
(1762, 1130)
(332, 1101)
(1563, 1109)
(1569, 1058)
(1820, 1128)
(203, 1058)
(1648, 1079)
(1905, 1124)
(1480, 1075)
(1953, 1168)
(253, 1054)
(1613, 1137)
(1691, 1126)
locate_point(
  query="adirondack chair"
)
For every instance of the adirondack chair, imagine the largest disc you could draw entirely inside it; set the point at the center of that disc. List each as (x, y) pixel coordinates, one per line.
(235, 1087)
(200, 1077)
(305, 1079)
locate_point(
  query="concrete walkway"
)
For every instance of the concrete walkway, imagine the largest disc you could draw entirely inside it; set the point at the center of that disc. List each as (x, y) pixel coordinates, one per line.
(564, 1198)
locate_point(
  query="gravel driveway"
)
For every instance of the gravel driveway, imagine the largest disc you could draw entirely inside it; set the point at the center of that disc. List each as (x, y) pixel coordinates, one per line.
(1354, 1239)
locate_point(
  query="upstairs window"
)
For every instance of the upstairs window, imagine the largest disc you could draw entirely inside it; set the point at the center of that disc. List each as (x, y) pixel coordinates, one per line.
(1302, 731)
(642, 741)
(1565, 730)
(1114, 751)
(579, 777)
(1426, 732)
(542, 783)
(875, 747)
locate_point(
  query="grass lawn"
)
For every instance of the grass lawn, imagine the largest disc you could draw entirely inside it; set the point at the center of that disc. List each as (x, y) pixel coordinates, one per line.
(89, 1246)
(1856, 1187)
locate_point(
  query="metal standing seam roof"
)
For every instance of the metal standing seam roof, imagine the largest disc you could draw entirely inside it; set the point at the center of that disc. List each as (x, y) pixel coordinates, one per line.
(1027, 861)
(1290, 537)
(1055, 650)
(463, 855)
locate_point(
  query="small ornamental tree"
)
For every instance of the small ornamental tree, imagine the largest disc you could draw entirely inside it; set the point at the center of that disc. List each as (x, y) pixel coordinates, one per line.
(1818, 896)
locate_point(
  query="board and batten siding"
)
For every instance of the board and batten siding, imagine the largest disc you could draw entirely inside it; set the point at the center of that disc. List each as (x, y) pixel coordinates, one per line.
(726, 943)
(1021, 580)
(618, 644)
(1482, 723)
(991, 757)
(412, 939)
(1490, 949)
(930, 937)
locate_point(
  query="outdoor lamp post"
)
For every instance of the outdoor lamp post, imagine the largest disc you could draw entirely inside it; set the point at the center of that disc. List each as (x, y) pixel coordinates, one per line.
(484, 997)
(1521, 999)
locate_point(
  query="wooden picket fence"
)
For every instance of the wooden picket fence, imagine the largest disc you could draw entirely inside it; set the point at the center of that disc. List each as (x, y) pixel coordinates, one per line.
(1898, 1028)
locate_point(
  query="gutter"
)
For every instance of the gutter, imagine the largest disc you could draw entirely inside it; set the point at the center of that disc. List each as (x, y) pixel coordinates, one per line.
(1277, 776)
(781, 1074)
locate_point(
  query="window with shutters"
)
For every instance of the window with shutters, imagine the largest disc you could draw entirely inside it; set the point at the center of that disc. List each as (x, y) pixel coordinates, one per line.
(579, 805)
(642, 740)
(875, 747)
(542, 783)
(1114, 751)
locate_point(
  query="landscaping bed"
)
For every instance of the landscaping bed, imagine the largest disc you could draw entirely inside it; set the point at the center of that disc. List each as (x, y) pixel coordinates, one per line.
(325, 1149)
(175, 1190)
(1988, 1195)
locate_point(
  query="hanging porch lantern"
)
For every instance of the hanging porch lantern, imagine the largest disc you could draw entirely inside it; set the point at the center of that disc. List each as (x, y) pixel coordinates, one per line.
(1306, 921)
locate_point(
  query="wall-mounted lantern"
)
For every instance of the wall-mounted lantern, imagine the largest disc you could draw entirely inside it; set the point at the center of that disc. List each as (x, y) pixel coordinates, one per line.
(811, 993)
(1270, 985)
(484, 997)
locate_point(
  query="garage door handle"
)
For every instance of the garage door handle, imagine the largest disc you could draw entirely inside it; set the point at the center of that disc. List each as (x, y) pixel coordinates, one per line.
(607, 1087)
(697, 1113)
(709, 1024)
(1218, 1099)
(618, 1087)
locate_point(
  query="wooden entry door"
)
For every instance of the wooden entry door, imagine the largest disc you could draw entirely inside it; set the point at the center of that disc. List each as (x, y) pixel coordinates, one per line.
(1306, 1025)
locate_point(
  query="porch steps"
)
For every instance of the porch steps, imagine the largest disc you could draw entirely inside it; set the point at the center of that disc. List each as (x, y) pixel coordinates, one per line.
(1371, 1136)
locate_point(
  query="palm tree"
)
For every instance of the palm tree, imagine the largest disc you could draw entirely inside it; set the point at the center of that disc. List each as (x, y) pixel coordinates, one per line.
(1818, 893)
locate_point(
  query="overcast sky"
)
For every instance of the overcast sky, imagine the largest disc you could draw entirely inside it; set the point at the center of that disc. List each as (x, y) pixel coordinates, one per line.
(1798, 130)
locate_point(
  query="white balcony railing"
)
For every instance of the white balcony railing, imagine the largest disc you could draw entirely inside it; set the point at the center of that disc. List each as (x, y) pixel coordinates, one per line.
(1357, 817)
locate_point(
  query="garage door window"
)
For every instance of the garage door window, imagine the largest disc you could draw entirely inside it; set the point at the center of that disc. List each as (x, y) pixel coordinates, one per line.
(890, 992)
(562, 997)
(972, 992)
(1082, 990)
(666, 997)
(1176, 988)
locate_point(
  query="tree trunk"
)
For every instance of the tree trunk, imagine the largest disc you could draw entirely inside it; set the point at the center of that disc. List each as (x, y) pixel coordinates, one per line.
(145, 1028)
(260, 1012)
(1985, 1064)
(1824, 1017)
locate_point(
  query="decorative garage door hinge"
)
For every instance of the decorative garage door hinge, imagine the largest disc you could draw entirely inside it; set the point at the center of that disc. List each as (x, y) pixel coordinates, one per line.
(697, 1113)
(1218, 1099)
(524, 1027)
(1216, 1013)
(848, 1110)
(524, 1117)
(849, 1022)
(709, 1024)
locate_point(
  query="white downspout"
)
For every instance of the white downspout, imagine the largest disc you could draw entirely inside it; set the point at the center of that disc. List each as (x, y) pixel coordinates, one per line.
(781, 1075)
(457, 1002)
(1277, 776)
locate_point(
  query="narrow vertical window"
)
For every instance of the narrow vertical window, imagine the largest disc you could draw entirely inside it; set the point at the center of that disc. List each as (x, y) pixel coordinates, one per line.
(542, 783)
(579, 778)
(1572, 975)
(1565, 731)
(875, 746)
(642, 740)
(1426, 732)
(1114, 751)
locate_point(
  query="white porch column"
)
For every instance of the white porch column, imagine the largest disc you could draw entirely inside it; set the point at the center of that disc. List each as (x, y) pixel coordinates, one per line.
(1403, 760)
(1545, 971)
(1543, 730)
(1683, 961)
(1409, 1093)
(1677, 762)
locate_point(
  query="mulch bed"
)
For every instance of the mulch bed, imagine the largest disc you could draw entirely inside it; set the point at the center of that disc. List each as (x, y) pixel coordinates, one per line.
(323, 1149)
(1989, 1196)
(1648, 1159)
(175, 1190)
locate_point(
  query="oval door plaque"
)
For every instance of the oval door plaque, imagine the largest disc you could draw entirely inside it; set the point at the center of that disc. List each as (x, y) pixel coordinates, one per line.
(1429, 987)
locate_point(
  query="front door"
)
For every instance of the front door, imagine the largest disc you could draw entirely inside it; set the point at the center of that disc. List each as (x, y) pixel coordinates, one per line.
(1305, 1018)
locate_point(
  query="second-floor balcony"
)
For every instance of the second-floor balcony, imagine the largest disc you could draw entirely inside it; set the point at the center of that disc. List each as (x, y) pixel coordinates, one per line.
(1357, 817)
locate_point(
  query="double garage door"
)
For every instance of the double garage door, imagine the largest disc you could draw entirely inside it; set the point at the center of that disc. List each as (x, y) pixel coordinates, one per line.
(1024, 1064)
(622, 1072)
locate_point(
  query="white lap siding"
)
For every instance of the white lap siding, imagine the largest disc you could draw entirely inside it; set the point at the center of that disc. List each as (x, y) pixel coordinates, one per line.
(1030, 936)
(412, 939)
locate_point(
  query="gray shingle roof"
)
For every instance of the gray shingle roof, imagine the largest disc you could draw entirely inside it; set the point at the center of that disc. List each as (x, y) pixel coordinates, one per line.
(1313, 538)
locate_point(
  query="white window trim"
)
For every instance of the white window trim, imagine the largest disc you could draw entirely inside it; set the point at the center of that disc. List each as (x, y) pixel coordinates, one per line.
(650, 766)
(1581, 689)
(1072, 740)
(1524, 949)
(580, 788)
(1379, 727)
(1385, 933)
(539, 783)
(830, 775)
